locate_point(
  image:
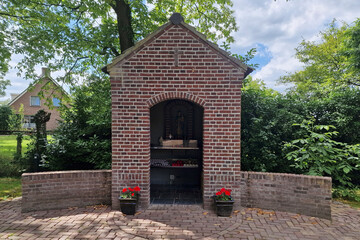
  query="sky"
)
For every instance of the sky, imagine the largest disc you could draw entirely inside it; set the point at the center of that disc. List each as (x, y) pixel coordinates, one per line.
(274, 28)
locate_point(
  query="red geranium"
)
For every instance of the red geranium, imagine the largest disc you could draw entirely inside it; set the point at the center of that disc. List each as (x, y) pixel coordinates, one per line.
(223, 195)
(130, 192)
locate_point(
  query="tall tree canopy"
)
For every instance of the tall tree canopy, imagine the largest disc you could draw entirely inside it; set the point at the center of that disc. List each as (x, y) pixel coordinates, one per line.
(81, 36)
(351, 49)
(329, 63)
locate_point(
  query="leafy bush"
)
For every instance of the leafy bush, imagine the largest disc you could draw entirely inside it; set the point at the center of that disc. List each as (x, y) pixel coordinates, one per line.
(266, 120)
(83, 138)
(9, 168)
(5, 112)
(341, 108)
(315, 153)
(347, 194)
(9, 119)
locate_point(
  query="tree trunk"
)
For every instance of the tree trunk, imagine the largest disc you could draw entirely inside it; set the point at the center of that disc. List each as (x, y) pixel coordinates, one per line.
(123, 15)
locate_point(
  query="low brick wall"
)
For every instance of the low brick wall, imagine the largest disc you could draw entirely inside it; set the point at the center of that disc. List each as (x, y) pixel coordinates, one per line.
(56, 190)
(302, 194)
(308, 195)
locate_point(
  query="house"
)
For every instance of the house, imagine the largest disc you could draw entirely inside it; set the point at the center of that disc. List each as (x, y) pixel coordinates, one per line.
(44, 94)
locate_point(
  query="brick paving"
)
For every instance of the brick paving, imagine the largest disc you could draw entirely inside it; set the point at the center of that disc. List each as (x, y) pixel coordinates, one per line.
(174, 222)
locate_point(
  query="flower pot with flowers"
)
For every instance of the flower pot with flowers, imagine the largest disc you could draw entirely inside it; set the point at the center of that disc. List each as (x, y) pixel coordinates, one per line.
(128, 200)
(223, 202)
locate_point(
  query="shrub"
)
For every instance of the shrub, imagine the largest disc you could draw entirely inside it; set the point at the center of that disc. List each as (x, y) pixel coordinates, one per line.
(315, 153)
(83, 138)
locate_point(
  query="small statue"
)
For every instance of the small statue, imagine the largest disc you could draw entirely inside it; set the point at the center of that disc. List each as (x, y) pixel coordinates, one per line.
(180, 120)
(161, 140)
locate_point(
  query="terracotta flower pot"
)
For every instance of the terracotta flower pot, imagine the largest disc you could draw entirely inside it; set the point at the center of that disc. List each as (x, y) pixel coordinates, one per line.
(128, 205)
(224, 208)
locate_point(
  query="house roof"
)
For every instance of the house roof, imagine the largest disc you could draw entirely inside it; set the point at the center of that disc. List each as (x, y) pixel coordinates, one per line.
(44, 75)
(176, 19)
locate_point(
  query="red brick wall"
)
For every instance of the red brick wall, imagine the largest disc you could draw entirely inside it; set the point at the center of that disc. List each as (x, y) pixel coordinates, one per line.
(308, 195)
(150, 76)
(301, 194)
(56, 190)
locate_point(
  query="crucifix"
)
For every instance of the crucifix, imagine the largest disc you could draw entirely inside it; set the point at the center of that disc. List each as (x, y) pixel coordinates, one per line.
(176, 57)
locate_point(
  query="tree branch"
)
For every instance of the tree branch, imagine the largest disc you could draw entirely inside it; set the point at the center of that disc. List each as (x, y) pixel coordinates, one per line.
(113, 50)
(58, 5)
(26, 18)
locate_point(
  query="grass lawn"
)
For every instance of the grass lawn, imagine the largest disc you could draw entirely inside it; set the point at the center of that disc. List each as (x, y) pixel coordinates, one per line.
(8, 145)
(10, 188)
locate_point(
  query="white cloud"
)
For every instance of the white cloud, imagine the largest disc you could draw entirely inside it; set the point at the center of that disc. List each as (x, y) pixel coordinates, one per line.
(280, 26)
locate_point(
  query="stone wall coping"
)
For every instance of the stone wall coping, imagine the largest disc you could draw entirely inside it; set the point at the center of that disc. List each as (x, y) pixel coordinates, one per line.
(61, 174)
(286, 175)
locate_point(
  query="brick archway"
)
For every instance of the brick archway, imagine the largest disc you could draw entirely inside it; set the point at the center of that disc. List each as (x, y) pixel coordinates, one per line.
(186, 181)
(175, 95)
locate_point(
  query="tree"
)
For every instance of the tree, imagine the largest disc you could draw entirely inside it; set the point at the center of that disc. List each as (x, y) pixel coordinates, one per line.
(10, 120)
(80, 37)
(5, 54)
(325, 64)
(3, 84)
(5, 113)
(351, 50)
(340, 108)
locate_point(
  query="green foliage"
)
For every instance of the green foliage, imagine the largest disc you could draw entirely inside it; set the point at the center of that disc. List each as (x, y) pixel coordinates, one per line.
(266, 119)
(16, 119)
(315, 153)
(246, 58)
(341, 108)
(82, 36)
(351, 50)
(5, 113)
(8, 167)
(3, 83)
(83, 139)
(352, 195)
(326, 65)
(9, 119)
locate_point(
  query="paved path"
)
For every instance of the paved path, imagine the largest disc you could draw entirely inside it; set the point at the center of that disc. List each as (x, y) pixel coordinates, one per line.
(169, 222)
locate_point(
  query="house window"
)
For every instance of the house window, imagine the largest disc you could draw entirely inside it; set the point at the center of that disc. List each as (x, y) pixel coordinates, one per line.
(35, 101)
(56, 102)
(29, 122)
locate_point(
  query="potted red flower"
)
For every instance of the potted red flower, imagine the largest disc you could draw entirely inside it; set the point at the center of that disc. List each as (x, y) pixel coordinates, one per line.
(128, 200)
(223, 202)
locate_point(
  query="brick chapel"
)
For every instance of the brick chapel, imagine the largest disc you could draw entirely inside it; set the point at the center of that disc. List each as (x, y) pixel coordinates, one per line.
(176, 118)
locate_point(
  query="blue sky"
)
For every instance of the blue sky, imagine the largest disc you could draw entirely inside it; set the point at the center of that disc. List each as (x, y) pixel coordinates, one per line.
(275, 28)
